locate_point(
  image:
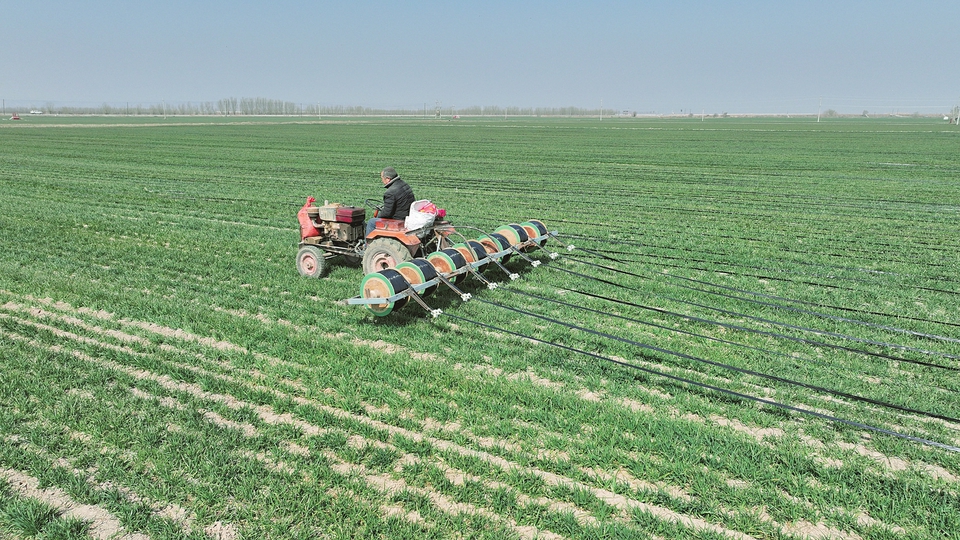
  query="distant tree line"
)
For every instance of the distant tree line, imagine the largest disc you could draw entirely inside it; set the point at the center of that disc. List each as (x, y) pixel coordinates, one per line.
(262, 106)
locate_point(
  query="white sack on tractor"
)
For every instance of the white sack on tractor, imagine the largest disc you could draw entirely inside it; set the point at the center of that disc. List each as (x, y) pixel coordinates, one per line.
(417, 218)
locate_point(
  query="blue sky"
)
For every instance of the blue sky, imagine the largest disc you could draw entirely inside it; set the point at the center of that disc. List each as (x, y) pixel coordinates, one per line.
(690, 56)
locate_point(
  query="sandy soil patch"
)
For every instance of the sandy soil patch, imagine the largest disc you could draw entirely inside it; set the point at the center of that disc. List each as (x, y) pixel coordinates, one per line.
(817, 531)
(248, 430)
(103, 524)
(622, 502)
(757, 433)
(268, 415)
(898, 464)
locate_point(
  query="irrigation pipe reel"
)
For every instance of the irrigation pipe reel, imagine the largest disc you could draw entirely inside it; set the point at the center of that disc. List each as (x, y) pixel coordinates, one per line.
(384, 291)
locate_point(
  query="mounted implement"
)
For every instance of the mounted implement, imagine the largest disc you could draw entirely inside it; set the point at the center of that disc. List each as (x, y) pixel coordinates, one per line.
(389, 289)
(410, 259)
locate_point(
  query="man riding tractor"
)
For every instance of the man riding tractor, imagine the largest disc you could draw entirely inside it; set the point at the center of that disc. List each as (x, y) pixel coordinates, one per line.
(392, 236)
(396, 199)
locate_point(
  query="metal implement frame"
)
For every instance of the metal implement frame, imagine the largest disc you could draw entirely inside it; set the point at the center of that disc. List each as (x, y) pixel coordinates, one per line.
(415, 289)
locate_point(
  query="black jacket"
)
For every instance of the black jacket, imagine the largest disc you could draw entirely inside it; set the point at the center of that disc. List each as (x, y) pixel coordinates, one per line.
(397, 200)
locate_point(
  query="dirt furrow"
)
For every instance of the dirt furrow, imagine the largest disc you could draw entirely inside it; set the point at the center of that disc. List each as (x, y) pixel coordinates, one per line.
(103, 524)
(268, 415)
(759, 434)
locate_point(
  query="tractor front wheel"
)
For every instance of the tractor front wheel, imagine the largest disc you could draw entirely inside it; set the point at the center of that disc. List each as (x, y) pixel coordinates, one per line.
(383, 253)
(311, 262)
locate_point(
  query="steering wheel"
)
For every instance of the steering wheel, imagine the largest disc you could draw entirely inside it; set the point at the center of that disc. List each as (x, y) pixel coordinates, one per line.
(371, 203)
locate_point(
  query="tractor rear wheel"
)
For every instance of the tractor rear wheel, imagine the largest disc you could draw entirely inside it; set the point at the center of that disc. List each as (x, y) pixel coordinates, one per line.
(383, 253)
(311, 262)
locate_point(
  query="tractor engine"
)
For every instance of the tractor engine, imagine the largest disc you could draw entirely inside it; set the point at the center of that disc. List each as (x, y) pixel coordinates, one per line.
(343, 232)
(337, 222)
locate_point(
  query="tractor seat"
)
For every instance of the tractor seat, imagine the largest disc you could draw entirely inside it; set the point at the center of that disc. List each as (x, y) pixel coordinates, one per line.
(391, 225)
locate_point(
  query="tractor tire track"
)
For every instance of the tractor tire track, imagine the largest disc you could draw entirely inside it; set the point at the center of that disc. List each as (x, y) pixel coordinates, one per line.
(269, 416)
(622, 502)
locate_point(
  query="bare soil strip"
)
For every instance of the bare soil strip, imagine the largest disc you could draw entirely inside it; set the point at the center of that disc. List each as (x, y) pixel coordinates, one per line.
(267, 414)
(175, 513)
(611, 498)
(103, 524)
(383, 483)
(392, 486)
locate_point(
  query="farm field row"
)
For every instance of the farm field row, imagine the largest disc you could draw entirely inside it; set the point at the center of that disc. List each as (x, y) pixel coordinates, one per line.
(756, 334)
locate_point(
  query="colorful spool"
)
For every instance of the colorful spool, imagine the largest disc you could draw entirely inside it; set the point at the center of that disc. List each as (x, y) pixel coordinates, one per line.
(532, 232)
(508, 232)
(490, 244)
(479, 253)
(448, 261)
(495, 243)
(539, 225)
(535, 228)
(418, 272)
(521, 232)
(451, 264)
(530, 229)
(384, 284)
(466, 251)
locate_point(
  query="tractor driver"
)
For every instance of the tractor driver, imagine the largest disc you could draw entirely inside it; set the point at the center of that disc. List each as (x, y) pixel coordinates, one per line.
(396, 199)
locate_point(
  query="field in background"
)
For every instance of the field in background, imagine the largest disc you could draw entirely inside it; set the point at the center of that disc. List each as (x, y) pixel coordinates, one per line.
(165, 372)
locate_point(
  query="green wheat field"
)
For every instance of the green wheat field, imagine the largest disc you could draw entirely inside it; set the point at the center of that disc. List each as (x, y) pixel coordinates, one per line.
(744, 328)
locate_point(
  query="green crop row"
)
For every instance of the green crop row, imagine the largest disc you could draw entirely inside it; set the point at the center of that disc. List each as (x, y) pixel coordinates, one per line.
(162, 359)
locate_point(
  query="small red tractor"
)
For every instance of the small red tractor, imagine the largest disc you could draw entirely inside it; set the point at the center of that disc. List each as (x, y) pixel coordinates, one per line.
(336, 229)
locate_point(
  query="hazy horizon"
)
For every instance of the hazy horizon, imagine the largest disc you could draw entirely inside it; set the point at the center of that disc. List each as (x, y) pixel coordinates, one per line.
(682, 57)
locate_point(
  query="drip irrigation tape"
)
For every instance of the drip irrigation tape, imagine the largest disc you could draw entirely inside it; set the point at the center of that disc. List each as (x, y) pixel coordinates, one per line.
(744, 371)
(808, 312)
(592, 278)
(791, 277)
(654, 325)
(855, 253)
(795, 327)
(929, 246)
(718, 389)
(760, 332)
(772, 277)
(822, 332)
(838, 308)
